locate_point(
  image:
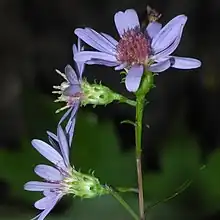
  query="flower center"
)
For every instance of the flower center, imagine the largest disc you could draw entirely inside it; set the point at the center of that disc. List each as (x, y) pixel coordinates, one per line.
(74, 98)
(133, 47)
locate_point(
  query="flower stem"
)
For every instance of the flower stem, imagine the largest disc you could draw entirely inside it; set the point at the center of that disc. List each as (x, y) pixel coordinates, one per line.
(124, 190)
(123, 203)
(138, 136)
(123, 99)
(146, 85)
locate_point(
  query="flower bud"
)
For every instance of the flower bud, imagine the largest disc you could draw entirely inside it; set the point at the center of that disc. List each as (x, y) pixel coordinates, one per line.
(83, 185)
(97, 94)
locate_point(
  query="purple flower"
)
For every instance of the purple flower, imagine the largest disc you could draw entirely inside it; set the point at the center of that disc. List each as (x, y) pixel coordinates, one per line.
(56, 178)
(136, 50)
(62, 179)
(70, 92)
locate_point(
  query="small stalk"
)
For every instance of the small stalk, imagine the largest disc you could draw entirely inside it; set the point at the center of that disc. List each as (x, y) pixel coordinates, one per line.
(146, 85)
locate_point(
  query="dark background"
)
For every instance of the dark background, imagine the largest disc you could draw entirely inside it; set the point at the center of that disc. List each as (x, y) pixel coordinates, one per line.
(36, 38)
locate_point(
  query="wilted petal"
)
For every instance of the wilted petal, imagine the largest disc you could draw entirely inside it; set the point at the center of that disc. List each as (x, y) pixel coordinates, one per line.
(72, 90)
(71, 75)
(89, 55)
(63, 144)
(48, 152)
(153, 28)
(160, 66)
(95, 40)
(40, 186)
(133, 78)
(185, 63)
(126, 20)
(48, 173)
(169, 33)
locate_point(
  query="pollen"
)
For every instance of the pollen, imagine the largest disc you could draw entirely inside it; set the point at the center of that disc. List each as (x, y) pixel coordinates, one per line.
(133, 47)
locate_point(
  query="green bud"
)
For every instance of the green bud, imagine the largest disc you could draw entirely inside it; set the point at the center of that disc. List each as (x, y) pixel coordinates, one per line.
(97, 94)
(86, 93)
(83, 185)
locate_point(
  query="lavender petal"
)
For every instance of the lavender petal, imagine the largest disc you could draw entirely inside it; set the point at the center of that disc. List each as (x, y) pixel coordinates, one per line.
(49, 192)
(95, 40)
(109, 47)
(65, 116)
(153, 29)
(160, 66)
(121, 66)
(110, 39)
(44, 202)
(101, 62)
(80, 66)
(74, 48)
(171, 48)
(168, 34)
(72, 90)
(71, 75)
(126, 20)
(40, 186)
(64, 147)
(49, 173)
(48, 152)
(73, 115)
(52, 135)
(89, 55)
(70, 127)
(46, 211)
(133, 78)
(185, 63)
(71, 131)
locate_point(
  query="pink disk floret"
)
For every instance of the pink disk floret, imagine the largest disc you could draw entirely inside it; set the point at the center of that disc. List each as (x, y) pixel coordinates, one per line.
(133, 47)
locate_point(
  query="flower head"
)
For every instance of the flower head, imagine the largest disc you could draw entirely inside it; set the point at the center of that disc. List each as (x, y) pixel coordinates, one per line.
(74, 91)
(136, 50)
(69, 92)
(61, 179)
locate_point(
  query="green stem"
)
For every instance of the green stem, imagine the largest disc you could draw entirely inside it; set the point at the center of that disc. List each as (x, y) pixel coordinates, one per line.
(123, 99)
(138, 136)
(146, 85)
(124, 189)
(123, 203)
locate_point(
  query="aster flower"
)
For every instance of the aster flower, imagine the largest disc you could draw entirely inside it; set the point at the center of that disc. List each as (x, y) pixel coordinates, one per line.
(136, 50)
(62, 179)
(70, 92)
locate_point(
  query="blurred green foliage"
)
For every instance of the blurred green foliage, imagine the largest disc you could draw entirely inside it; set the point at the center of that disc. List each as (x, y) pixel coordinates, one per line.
(96, 147)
